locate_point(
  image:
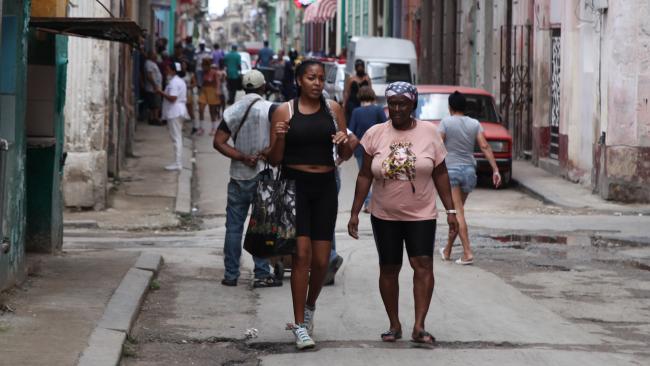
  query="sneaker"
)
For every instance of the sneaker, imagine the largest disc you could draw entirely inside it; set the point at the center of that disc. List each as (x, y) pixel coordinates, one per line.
(334, 266)
(266, 282)
(173, 167)
(194, 131)
(309, 319)
(303, 340)
(230, 283)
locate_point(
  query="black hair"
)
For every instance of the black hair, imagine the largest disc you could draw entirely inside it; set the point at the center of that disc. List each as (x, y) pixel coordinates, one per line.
(300, 72)
(266, 43)
(358, 62)
(216, 46)
(457, 101)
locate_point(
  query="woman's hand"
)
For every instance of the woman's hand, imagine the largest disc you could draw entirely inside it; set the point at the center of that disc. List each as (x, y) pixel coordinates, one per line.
(353, 226)
(340, 138)
(453, 224)
(281, 128)
(496, 179)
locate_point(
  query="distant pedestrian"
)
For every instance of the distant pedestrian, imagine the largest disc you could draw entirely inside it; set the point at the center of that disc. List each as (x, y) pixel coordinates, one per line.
(209, 95)
(189, 52)
(190, 81)
(461, 134)
(202, 54)
(265, 55)
(352, 86)
(247, 122)
(175, 111)
(305, 134)
(152, 83)
(232, 61)
(367, 115)
(217, 54)
(404, 160)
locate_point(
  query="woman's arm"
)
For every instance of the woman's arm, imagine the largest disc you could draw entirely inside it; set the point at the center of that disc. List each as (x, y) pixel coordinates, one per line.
(279, 128)
(341, 138)
(487, 150)
(441, 180)
(364, 181)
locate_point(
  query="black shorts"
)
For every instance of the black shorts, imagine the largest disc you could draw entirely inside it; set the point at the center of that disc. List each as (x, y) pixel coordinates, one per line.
(390, 237)
(316, 203)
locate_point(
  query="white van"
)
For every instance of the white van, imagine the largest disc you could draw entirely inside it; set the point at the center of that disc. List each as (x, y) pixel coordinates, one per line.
(387, 60)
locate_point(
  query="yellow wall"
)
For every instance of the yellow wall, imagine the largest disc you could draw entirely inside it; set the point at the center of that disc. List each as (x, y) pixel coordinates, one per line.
(49, 8)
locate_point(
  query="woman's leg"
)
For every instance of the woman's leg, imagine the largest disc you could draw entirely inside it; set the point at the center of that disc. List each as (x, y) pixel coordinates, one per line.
(423, 282)
(201, 112)
(320, 258)
(300, 263)
(459, 197)
(213, 118)
(389, 289)
(190, 110)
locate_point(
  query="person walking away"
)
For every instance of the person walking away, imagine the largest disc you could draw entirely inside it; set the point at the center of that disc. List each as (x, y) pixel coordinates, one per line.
(305, 134)
(461, 134)
(153, 82)
(201, 54)
(223, 89)
(248, 123)
(189, 52)
(232, 61)
(217, 54)
(265, 56)
(174, 111)
(367, 115)
(288, 79)
(404, 160)
(190, 82)
(352, 86)
(209, 96)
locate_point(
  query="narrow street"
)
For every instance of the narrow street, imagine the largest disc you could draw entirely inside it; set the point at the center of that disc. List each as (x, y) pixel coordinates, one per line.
(547, 288)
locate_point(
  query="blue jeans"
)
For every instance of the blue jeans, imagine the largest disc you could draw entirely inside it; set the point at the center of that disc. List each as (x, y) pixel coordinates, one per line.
(359, 158)
(463, 176)
(240, 198)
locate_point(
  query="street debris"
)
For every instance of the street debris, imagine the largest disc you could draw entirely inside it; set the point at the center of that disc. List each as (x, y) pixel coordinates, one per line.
(251, 333)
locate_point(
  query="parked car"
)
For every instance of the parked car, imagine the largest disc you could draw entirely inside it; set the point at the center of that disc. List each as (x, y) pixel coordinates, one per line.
(433, 105)
(335, 80)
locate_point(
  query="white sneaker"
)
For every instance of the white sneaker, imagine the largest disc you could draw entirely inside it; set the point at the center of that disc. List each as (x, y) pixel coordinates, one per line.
(309, 319)
(303, 340)
(173, 167)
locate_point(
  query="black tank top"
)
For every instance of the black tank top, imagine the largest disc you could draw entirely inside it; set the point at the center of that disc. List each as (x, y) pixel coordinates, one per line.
(309, 139)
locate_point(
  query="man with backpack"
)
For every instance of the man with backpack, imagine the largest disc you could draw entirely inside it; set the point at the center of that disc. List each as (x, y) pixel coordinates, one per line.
(248, 122)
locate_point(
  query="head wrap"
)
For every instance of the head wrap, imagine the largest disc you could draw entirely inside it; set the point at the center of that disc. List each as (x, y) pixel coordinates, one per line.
(402, 88)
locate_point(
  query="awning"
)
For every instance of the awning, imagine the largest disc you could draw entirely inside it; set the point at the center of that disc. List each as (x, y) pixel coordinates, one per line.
(320, 12)
(108, 29)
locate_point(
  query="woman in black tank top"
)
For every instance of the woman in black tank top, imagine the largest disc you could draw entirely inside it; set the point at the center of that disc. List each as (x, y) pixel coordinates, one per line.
(305, 135)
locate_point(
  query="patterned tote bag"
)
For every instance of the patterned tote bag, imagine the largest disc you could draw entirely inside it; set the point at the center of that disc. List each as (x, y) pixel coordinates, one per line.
(272, 226)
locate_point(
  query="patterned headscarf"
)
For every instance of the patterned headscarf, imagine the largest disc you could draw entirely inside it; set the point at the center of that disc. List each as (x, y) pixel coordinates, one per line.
(402, 88)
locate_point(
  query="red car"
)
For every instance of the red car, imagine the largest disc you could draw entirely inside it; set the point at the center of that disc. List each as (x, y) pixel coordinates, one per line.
(433, 106)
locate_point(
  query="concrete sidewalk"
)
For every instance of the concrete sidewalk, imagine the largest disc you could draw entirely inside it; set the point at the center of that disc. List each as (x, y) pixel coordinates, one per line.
(55, 311)
(146, 195)
(560, 192)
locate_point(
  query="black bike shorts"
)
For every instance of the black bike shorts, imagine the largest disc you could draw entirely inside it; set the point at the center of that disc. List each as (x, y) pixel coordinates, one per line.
(316, 203)
(391, 236)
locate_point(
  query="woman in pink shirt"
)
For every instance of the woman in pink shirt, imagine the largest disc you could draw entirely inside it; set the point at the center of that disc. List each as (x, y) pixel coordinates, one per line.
(404, 160)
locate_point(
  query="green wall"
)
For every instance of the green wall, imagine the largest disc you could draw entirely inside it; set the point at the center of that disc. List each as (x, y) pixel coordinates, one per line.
(13, 63)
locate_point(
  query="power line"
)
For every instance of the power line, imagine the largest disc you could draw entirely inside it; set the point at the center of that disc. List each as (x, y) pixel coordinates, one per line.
(105, 8)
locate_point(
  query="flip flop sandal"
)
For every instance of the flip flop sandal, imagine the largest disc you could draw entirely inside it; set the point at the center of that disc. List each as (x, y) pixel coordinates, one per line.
(442, 255)
(463, 262)
(422, 338)
(391, 335)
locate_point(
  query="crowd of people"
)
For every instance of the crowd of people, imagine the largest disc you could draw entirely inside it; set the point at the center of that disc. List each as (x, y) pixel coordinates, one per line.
(407, 163)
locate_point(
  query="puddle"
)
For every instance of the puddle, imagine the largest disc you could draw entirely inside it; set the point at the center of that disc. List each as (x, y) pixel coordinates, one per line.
(534, 239)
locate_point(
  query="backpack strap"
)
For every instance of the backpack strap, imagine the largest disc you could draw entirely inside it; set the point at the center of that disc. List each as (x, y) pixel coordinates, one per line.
(234, 137)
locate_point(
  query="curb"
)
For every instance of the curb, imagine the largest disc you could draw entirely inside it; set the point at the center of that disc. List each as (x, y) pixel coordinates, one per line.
(183, 205)
(106, 341)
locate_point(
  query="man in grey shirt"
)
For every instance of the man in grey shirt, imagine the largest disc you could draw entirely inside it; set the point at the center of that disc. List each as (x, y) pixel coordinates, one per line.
(460, 134)
(251, 137)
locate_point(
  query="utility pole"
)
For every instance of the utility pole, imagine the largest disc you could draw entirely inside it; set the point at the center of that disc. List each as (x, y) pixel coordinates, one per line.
(426, 64)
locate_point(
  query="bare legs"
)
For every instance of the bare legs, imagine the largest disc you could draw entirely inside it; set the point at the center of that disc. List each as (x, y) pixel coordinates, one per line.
(423, 283)
(306, 286)
(459, 198)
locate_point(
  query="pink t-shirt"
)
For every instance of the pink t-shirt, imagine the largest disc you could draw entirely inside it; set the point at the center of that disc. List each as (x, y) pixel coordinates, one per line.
(402, 166)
